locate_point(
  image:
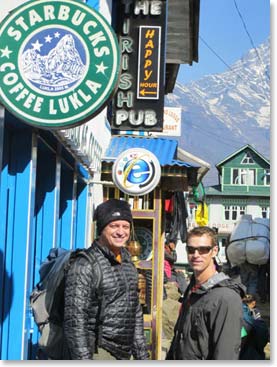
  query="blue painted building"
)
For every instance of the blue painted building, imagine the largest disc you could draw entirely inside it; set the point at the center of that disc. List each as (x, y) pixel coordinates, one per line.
(45, 202)
(47, 183)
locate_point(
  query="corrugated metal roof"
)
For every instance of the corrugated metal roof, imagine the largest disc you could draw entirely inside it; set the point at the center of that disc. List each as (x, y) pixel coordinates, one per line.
(164, 149)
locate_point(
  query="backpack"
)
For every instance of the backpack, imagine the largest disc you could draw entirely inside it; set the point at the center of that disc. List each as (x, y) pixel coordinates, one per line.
(47, 299)
(249, 241)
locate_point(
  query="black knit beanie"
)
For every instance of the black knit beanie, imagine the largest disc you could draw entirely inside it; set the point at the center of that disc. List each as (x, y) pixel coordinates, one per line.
(110, 211)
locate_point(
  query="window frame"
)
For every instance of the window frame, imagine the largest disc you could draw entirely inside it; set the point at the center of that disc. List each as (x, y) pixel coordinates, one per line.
(239, 173)
(248, 156)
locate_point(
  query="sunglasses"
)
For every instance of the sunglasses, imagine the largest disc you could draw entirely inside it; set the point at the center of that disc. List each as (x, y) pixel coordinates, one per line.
(202, 250)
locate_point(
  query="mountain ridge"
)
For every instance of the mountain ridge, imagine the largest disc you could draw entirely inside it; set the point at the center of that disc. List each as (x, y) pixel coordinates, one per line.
(223, 112)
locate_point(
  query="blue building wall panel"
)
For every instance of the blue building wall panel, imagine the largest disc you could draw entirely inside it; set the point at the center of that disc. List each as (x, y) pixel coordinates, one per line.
(16, 244)
(31, 183)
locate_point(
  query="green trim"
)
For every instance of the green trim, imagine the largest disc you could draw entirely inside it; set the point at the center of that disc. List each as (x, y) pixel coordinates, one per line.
(240, 150)
(235, 201)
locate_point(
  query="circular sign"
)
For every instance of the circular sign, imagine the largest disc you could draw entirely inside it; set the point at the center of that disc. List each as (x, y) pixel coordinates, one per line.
(60, 63)
(136, 171)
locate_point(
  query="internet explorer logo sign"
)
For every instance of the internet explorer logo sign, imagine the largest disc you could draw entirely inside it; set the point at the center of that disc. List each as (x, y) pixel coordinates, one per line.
(136, 171)
(140, 172)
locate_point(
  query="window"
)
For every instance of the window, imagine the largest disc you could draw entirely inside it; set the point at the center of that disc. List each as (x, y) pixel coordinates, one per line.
(247, 159)
(251, 177)
(233, 212)
(267, 177)
(244, 177)
(265, 211)
(227, 212)
(242, 210)
(235, 176)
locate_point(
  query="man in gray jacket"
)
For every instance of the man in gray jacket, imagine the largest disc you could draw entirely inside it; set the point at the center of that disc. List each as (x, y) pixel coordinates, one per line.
(103, 317)
(210, 321)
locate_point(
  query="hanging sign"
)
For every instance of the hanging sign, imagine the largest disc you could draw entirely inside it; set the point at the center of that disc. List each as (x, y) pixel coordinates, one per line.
(139, 100)
(136, 171)
(172, 122)
(149, 62)
(60, 62)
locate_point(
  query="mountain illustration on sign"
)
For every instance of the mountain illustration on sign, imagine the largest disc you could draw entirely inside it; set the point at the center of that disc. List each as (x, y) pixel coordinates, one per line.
(58, 69)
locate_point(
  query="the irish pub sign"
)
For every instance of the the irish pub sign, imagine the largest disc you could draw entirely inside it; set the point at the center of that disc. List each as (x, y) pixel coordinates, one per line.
(59, 62)
(139, 100)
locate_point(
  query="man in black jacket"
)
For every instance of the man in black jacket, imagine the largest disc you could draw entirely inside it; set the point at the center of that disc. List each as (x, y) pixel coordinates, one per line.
(109, 326)
(210, 321)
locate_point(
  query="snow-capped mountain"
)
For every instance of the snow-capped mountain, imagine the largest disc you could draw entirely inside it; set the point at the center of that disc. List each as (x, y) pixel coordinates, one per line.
(223, 112)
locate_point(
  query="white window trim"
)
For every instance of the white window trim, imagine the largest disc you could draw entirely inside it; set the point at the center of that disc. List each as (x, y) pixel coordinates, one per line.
(231, 210)
(266, 173)
(240, 172)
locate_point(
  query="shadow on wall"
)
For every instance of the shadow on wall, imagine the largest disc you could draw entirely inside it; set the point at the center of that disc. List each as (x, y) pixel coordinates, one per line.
(6, 291)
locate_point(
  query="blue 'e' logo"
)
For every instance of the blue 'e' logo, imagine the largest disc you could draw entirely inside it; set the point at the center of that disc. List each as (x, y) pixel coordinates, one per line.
(139, 172)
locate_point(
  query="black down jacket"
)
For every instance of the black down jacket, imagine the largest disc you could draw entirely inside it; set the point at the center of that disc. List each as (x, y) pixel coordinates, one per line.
(122, 328)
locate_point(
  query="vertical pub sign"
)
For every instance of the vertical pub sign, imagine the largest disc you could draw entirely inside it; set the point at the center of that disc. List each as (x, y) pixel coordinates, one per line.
(139, 101)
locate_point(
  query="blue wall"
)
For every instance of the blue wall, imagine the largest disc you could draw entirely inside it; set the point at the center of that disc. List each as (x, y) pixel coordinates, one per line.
(43, 204)
(93, 3)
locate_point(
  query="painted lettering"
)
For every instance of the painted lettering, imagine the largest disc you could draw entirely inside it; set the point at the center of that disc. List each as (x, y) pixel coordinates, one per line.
(125, 81)
(49, 12)
(102, 51)
(34, 18)
(136, 118)
(14, 33)
(126, 45)
(6, 65)
(78, 17)
(127, 99)
(87, 25)
(52, 110)
(64, 12)
(93, 86)
(96, 38)
(10, 79)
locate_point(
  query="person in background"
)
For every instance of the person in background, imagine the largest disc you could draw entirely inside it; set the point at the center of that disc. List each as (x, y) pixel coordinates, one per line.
(171, 273)
(170, 258)
(210, 321)
(116, 330)
(251, 301)
(254, 342)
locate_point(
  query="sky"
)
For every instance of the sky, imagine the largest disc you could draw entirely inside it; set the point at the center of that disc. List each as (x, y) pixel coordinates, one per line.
(222, 28)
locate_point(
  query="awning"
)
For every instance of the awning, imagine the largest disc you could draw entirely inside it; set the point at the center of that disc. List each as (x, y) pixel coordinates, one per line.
(177, 175)
(164, 149)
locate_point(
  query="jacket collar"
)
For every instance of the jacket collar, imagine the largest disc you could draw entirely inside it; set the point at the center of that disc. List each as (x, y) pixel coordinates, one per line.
(125, 255)
(221, 280)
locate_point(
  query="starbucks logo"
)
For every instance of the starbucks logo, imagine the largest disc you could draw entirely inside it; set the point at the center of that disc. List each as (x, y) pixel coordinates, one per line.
(60, 63)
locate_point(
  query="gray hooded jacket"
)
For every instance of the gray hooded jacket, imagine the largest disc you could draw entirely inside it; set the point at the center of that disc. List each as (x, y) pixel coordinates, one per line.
(210, 321)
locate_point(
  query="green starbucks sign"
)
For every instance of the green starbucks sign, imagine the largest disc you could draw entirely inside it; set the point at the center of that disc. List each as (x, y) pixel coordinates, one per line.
(59, 63)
